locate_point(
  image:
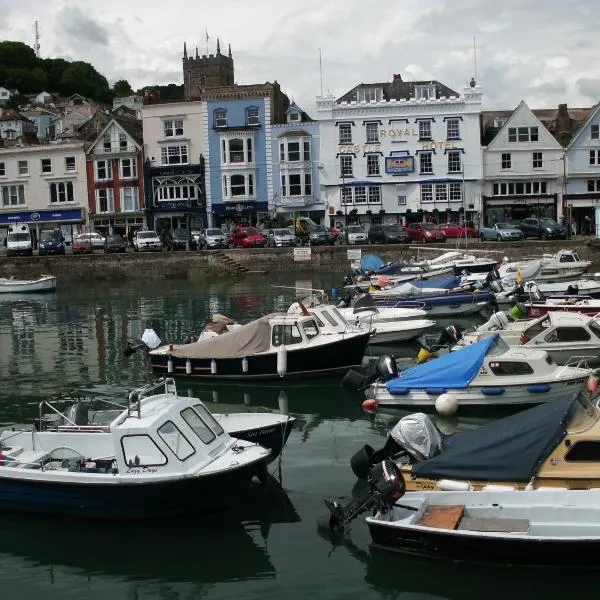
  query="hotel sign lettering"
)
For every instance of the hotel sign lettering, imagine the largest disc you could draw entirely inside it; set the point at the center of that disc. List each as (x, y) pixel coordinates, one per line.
(355, 148)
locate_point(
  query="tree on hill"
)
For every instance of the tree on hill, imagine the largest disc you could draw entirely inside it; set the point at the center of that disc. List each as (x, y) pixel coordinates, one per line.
(172, 91)
(122, 88)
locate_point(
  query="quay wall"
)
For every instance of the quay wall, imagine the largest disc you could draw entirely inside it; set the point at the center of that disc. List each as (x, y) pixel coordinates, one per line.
(249, 262)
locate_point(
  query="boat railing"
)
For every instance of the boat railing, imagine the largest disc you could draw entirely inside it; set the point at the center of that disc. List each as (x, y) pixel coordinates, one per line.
(578, 362)
(49, 404)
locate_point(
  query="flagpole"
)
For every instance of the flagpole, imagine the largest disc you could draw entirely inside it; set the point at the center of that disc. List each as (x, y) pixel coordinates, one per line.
(206, 34)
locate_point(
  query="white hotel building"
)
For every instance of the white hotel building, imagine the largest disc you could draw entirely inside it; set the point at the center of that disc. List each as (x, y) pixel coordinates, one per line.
(401, 151)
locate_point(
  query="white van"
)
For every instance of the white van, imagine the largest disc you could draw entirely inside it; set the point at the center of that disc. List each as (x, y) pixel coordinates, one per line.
(18, 241)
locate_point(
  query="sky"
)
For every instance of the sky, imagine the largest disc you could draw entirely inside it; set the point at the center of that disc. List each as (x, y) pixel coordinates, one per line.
(544, 52)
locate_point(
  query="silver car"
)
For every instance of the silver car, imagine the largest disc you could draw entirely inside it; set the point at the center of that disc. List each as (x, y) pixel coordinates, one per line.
(212, 238)
(278, 238)
(356, 235)
(500, 232)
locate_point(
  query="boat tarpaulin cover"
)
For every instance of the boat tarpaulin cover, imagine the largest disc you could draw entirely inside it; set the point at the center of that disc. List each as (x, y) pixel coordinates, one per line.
(454, 370)
(242, 341)
(371, 262)
(510, 449)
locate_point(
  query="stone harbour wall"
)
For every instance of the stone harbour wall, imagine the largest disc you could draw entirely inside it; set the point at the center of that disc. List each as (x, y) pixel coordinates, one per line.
(248, 262)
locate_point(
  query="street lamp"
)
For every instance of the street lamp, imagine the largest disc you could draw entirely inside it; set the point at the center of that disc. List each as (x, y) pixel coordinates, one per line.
(567, 207)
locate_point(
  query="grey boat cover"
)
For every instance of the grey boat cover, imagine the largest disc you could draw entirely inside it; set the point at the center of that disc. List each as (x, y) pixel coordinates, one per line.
(242, 341)
(418, 434)
(510, 449)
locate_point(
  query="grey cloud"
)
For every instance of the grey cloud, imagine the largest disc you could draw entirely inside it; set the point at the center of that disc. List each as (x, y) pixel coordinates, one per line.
(590, 87)
(72, 22)
(555, 87)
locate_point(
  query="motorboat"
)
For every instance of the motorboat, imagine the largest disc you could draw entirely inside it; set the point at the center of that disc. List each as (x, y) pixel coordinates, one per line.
(538, 304)
(564, 335)
(486, 373)
(563, 265)
(159, 458)
(508, 292)
(551, 445)
(496, 525)
(268, 429)
(271, 347)
(11, 285)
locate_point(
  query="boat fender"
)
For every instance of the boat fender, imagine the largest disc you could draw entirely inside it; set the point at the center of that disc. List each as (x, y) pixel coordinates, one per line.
(370, 405)
(170, 364)
(492, 391)
(188, 367)
(446, 404)
(245, 364)
(450, 485)
(281, 360)
(213, 367)
(493, 487)
(592, 384)
(538, 389)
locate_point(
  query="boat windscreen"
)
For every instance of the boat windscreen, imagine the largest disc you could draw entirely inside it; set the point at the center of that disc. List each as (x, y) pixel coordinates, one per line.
(583, 414)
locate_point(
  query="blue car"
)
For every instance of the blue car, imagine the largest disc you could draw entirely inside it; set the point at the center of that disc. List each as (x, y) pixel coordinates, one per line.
(51, 242)
(500, 232)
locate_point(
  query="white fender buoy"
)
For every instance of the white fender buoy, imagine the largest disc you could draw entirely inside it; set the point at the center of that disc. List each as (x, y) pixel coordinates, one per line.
(246, 398)
(446, 404)
(282, 400)
(170, 364)
(281, 360)
(245, 364)
(188, 367)
(213, 367)
(215, 396)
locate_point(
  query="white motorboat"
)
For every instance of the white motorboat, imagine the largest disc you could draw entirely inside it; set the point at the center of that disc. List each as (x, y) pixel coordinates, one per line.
(563, 265)
(11, 285)
(486, 373)
(159, 458)
(507, 292)
(564, 335)
(547, 526)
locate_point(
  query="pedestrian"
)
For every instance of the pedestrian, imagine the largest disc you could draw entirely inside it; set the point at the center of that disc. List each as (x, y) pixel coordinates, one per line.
(587, 226)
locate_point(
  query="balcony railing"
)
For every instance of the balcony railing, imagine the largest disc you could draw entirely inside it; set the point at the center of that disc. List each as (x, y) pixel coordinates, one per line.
(115, 149)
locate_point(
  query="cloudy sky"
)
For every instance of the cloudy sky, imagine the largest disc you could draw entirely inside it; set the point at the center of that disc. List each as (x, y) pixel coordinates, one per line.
(545, 52)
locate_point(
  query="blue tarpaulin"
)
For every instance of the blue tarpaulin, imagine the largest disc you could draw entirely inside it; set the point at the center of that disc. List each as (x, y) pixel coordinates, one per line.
(447, 282)
(371, 262)
(451, 371)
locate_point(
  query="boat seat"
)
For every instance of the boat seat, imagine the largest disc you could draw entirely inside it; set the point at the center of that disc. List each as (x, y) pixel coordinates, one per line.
(494, 524)
(443, 517)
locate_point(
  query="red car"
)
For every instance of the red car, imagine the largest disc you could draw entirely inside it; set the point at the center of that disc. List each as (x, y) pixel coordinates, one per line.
(453, 230)
(82, 245)
(425, 232)
(248, 237)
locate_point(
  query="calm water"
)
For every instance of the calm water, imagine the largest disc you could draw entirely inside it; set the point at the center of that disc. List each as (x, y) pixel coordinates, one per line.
(71, 345)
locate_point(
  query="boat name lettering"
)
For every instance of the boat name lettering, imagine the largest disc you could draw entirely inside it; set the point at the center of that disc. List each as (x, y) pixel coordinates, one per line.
(261, 432)
(138, 470)
(425, 485)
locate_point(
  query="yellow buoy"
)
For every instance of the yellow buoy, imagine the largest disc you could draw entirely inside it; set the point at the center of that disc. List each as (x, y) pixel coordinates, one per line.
(424, 355)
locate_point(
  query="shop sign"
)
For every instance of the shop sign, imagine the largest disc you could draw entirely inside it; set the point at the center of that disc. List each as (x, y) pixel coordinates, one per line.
(398, 165)
(354, 253)
(303, 253)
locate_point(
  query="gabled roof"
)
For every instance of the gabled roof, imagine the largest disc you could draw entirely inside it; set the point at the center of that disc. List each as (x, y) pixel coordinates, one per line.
(13, 115)
(552, 119)
(130, 127)
(592, 112)
(293, 107)
(398, 90)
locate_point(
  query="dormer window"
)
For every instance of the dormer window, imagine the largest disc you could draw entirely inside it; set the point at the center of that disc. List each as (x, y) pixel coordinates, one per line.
(220, 118)
(294, 116)
(252, 116)
(370, 95)
(595, 132)
(425, 92)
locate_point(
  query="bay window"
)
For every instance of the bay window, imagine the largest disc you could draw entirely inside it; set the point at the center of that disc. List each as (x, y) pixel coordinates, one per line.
(296, 184)
(238, 185)
(174, 155)
(294, 150)
(236, 151)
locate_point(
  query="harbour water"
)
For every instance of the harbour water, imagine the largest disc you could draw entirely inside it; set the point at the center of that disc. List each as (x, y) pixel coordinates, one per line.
(71, 345)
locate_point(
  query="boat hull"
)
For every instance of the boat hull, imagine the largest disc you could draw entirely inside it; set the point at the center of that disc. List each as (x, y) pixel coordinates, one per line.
(389, 332)
(537, 310)
(35, 286)
(128, 500)
(439, 306)
(507, 395)
(493, 549)
(334, 358)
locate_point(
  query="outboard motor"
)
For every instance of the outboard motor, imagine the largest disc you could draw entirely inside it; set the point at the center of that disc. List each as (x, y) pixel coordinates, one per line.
(572, 289)
(77, 414)
(385, 368)
(450, 336)
(386, 487)
(495, 286)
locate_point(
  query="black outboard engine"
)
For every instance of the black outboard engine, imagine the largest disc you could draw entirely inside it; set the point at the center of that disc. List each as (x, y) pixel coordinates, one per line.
(348, 280)
(495, 286)
(76, 414)
(572, 289)
(450, 336)
(385, 368)
(386, 487)
(536, 295)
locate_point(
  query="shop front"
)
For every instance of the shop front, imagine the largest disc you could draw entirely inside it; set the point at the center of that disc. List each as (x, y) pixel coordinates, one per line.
(229, 214)
(71, 222)
(513, 209)
(583, 212)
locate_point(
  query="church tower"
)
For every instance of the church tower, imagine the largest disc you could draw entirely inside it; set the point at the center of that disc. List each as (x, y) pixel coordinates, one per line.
(206, 72)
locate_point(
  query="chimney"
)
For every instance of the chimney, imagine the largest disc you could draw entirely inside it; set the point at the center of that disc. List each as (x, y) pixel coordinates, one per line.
(563, 125)
(397, 77)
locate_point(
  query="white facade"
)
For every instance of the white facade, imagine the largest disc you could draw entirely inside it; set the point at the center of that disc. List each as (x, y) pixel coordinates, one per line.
(43, 184)
(5, 95)
(176, 125)
(522, 171)
(13, 125)
(390, 159)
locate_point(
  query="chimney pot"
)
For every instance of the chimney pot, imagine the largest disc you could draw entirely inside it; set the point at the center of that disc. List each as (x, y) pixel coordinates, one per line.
(397, 77)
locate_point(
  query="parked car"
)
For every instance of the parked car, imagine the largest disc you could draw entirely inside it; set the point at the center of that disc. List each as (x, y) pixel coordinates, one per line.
(115, 243)
(319, 235)
(51, 242)
(387, 234)
(97, 241)
(500, 232)
(212, 238)
(542, 228)
(180, 238)
(248, 237)
(356, 235)
(146, 241)
(82, 244)
(454, 230)
(425, 232)
(278, 238)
